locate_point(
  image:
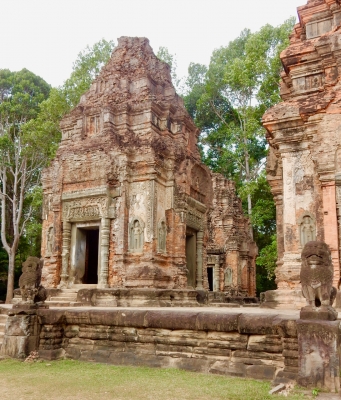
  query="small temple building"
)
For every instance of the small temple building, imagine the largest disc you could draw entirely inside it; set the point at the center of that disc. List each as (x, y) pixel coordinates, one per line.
(128, 202)
(304, 133)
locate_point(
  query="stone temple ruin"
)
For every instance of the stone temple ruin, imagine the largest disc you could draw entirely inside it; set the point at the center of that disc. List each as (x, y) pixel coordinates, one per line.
(129, 209)
(304, 133)
(127, 201)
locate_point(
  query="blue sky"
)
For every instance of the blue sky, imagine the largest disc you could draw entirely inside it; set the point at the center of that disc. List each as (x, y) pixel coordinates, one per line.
(45, 36)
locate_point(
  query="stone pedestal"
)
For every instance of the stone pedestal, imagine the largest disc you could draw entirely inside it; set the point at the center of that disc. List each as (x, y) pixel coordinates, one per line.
(319, 354)
(21, 332)
(284, 299)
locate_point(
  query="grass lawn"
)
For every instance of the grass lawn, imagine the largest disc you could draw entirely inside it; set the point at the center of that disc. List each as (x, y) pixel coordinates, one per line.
(80, 380)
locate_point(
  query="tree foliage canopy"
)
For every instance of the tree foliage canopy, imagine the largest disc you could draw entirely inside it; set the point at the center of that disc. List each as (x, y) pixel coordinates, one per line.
(227, 101)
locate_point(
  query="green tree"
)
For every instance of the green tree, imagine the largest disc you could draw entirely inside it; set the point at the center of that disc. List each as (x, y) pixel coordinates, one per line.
(32, 140)
(20, 159)
(242, 81)
(228, 102)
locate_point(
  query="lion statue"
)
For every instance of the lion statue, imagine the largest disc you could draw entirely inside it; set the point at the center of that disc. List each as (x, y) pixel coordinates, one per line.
(29, 281)
(317, 274)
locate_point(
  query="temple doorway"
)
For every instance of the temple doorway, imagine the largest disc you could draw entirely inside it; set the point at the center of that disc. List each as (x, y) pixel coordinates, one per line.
(210, 274)
(191, 257)
(84, 254)
(91, 257)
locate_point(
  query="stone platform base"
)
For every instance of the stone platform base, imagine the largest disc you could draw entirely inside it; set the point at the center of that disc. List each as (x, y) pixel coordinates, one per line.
(255, 344)
(283, 299)
(90, 295)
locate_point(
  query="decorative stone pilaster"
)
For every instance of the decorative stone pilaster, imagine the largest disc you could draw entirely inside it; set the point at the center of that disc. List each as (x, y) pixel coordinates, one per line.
(103, 273)
(65, 254)
(200, 238)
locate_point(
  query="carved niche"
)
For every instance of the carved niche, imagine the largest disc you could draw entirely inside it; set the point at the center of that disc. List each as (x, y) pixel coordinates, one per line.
(136, 235)
(201, 184)
(49, 241)
(162, 234)
(307, 229)
(228, 277)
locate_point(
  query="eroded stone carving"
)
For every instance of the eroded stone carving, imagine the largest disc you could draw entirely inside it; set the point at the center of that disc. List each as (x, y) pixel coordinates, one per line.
(307, 230)
(228, 277)
(162, 233)
(29, 282)
(136, 235)
(317, 281)
(49, 241)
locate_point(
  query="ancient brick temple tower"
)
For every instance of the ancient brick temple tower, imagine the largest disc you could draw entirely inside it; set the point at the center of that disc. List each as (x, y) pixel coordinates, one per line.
(127, 201)
(304, 132)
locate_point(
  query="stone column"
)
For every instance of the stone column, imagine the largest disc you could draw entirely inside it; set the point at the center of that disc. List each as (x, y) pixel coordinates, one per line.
(200, 237)
(216, 274)
(338, 212)
(65, 254)
(103, 273)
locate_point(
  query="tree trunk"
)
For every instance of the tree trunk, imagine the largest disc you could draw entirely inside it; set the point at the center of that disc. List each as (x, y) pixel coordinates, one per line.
(10, 281)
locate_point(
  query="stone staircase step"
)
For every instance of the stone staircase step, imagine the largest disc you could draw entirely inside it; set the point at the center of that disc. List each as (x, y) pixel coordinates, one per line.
(63, 298)
(3, 319)
(58, 303)
(69, 290)
(228, 305)
(251, 305)
(83, 286)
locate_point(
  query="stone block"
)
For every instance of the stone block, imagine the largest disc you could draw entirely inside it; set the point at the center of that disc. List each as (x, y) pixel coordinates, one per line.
(228, 368)
(217, 322)
(262, 324)
(319, 354)
(56, 354)
(264, 343)
(171, 320)
(266, 372)
(21, 325)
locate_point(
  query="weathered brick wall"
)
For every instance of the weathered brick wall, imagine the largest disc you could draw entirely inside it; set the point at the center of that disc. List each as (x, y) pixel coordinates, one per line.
(303, 132)
(249, 345)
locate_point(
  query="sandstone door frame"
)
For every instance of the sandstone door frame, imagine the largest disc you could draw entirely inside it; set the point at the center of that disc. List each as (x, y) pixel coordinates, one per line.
(78, 248)
(92, 207)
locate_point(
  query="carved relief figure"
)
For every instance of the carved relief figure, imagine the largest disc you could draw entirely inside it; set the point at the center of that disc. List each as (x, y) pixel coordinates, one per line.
(307, 230)
(136, 233)
(162, 235)
(49, 242)
(228, 277)
(317, 274)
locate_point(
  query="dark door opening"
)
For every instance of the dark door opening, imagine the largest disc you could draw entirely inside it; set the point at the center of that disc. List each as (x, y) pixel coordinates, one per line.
(191, 258)
(210, 278)
(91, 257)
